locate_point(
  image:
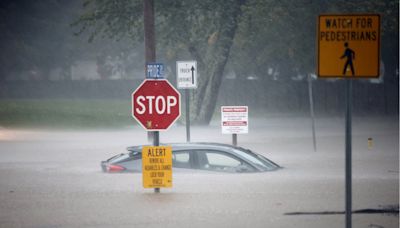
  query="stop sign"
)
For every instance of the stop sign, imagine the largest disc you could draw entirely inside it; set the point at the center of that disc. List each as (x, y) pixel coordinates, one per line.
(156, 104)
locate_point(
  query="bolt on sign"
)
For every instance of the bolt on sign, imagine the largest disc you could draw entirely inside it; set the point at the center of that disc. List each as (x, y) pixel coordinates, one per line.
(157, 166)
(348, 46)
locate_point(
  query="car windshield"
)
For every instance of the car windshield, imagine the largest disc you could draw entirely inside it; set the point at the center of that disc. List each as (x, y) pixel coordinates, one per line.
(258, 160)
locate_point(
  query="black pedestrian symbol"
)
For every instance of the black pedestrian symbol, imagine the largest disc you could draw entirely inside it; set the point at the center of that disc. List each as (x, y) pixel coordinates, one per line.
(350, 55)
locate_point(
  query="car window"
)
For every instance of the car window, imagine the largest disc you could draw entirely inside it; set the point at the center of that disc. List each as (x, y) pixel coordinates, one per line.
(119, 158)
(216, 159)
(220, 161)
(181, 159)
(256, 159)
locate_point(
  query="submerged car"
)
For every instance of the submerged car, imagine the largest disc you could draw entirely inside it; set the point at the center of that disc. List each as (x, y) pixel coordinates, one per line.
(196, 156)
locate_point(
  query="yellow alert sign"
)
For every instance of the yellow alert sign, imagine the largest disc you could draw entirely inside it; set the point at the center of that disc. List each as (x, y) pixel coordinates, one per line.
(348, 46)
(157, 166)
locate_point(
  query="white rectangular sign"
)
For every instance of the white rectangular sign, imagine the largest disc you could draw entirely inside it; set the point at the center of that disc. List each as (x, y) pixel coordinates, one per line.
(186, 74)
(235, 119)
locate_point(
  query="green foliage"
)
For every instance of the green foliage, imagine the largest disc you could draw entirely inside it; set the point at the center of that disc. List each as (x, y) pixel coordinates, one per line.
(256, 36)
(281, 34)
(192, 25)
(184, 26)
(35, 36)
(271, 33)
(122, 19)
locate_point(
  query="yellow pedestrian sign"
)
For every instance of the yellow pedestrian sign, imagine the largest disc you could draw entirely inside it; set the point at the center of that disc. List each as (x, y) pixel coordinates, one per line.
(348, 46)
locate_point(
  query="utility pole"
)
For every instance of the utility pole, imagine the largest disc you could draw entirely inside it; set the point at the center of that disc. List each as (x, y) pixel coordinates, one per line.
(149, 36)
(150, 55)
(149, 41)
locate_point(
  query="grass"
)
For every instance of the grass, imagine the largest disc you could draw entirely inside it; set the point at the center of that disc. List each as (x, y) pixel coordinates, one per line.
(61, 113)
(81, 114)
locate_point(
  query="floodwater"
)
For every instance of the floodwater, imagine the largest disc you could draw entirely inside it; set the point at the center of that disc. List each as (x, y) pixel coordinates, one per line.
(52, 178)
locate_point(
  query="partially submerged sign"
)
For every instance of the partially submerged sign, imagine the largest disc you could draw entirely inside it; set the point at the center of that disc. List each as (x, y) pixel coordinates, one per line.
(157, 166)
(348, 45)
(234, 119)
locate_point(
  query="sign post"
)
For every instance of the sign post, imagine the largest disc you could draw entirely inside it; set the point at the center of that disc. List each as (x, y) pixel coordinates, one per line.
(234, 120)
(187, 114)
(311, 99)
(156, 143)
(187, 79)
(348, 156)
(348, 47)
(156, 106)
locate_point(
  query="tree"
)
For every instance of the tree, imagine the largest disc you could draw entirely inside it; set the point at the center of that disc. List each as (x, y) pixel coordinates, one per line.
(204, 29)
(207, 32)
(36, 37)
(281, 34)
(254, 35)
(276, 35)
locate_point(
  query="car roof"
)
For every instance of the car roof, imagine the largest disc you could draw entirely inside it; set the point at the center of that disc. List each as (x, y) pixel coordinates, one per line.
(204, 146)
(197, 145)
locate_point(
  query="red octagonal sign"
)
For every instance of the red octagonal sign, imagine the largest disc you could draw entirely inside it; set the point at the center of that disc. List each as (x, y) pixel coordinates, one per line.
(156, 104)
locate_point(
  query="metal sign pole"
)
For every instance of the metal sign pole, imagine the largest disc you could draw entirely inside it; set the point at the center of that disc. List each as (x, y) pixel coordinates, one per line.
(187, 101)
(349, 92)
(329, 65)
(310, 93)
(156, 142)
(234, 139)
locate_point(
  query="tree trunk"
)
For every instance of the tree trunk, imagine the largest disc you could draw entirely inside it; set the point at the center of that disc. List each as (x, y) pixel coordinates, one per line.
(205, 97)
